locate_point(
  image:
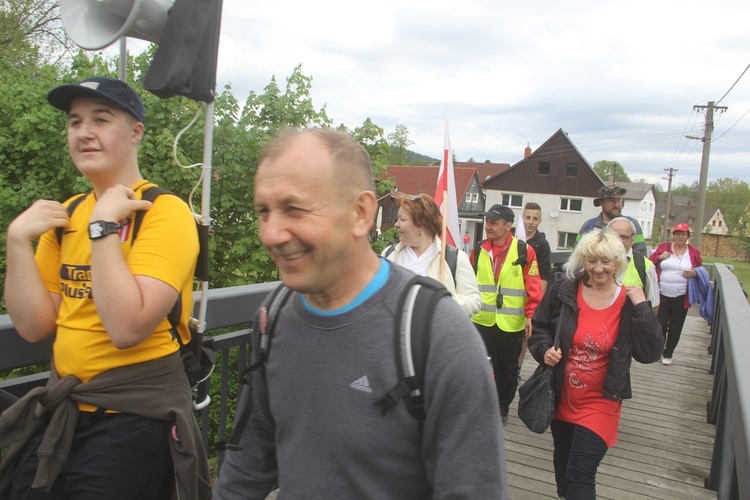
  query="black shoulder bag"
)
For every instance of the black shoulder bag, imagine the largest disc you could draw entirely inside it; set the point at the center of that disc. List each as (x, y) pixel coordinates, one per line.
(536, 397)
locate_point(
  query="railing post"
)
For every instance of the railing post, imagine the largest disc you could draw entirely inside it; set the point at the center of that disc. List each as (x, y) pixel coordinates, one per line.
(729, 407)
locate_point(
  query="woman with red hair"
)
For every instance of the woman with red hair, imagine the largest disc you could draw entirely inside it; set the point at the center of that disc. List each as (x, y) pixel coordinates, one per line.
(420, 250)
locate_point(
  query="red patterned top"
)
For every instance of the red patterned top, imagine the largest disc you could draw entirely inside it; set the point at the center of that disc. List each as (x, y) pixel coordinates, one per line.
(582, 402)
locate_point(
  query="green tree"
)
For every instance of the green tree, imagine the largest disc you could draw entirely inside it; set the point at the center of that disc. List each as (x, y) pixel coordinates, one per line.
(607, 170)
(399, 141)
(689, 191)
(371, 137)
(732, 197)
(31, 32)
(237, 256)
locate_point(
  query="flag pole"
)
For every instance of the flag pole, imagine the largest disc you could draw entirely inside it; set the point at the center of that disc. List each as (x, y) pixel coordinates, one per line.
(443, 237)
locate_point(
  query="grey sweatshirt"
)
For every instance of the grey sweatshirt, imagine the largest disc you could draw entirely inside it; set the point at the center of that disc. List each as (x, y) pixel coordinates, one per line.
(317, 433)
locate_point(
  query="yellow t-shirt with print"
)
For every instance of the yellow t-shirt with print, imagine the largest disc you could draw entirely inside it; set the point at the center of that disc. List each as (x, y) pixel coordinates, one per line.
(165, 248)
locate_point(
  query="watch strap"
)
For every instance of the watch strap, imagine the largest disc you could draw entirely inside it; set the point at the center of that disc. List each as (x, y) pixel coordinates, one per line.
(101, 228)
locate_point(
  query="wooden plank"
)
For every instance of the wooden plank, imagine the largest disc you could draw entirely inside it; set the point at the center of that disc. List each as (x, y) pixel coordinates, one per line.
(664, 446)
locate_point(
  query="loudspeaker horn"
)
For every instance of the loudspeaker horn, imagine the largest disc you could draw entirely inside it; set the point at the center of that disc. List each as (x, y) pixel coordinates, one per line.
(95, 24)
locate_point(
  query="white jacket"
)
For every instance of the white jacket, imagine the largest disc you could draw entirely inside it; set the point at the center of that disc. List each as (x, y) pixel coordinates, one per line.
(464, 289)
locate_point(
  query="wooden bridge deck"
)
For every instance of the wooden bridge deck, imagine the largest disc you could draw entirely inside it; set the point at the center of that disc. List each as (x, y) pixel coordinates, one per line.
(664, 446)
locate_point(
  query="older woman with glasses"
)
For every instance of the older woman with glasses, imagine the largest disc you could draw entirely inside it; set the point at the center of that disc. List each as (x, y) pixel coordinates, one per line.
(602, 325)
(419, 250)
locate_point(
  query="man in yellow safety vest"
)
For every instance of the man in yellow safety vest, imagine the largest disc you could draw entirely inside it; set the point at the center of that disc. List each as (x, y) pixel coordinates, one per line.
(508, 279)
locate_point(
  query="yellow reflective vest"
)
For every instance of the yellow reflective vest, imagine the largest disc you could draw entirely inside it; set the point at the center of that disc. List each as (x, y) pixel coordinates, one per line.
(631, 276)
(511, 315)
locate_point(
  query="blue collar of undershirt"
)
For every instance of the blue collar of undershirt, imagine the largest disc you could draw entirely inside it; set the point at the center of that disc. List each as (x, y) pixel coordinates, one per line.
(377, 282)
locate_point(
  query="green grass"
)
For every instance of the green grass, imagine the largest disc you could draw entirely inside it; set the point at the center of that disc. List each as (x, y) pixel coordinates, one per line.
(741, 270)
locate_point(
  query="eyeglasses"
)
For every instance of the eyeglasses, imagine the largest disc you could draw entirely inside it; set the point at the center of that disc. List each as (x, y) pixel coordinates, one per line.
(416, 197)
(625, 237)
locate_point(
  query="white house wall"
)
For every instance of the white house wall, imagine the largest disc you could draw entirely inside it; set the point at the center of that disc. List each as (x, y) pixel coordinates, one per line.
(554, 220)
(642, 211)
(716, 224)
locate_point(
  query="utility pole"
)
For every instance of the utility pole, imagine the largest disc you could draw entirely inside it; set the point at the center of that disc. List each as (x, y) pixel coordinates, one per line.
(707, 132)
(614, 172)
(670, 173)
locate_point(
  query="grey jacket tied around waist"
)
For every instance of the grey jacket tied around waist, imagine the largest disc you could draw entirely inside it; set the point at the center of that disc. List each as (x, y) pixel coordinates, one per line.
(156, 389)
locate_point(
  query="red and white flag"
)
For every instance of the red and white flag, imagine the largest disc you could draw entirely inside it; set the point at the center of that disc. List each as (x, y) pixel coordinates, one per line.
(520, 228)
(447, 184)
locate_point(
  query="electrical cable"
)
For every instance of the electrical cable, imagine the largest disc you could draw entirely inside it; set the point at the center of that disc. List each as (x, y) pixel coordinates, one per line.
(735, 83)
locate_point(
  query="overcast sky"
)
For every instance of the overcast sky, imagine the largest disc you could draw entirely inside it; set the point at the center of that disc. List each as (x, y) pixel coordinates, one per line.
(620, 77)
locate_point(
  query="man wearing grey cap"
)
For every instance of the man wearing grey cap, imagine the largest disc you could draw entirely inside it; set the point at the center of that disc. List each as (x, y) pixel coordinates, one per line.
(610, 199)
(118, 422)
(511, 289)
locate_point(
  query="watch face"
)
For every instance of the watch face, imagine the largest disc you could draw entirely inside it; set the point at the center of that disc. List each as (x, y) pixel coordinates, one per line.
(95, 230)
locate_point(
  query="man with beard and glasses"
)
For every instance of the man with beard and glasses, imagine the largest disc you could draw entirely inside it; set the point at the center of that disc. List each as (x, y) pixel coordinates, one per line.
(610, 199)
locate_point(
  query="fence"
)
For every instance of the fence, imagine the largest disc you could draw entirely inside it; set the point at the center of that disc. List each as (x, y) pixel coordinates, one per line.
(234, 308)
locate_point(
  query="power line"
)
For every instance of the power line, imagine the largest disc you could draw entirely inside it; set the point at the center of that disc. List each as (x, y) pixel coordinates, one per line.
(735, 83)
(730, 128)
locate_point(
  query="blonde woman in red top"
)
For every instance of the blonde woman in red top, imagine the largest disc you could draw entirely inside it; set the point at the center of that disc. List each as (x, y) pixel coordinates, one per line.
(602, 326)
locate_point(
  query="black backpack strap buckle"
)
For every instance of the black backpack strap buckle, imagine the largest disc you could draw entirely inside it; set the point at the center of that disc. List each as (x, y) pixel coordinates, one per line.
(391, 398)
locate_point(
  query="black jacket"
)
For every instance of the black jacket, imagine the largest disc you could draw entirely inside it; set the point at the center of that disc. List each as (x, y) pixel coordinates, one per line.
(640, 337)
(541, 246)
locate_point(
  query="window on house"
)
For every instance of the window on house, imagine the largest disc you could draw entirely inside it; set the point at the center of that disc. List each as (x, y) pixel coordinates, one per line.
(571, 169)
(650, 207)
(713, 223)
(566, 240)
(571, 204)
(475, 197)
(468, 197)
(719, 223)
(544, 168)
(643, 206)
(513, 200)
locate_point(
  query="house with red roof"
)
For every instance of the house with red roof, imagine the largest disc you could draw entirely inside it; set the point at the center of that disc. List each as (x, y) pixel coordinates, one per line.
(414, 180)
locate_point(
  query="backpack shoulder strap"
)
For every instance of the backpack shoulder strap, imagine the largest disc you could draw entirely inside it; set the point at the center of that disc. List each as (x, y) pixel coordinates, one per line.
(451, 258)
(640, 266)
(475, 253)
(522, 254)
(591, 224)
(149, 194)
(412, 332)
(71, 208)
(266, 319)
(389, 250)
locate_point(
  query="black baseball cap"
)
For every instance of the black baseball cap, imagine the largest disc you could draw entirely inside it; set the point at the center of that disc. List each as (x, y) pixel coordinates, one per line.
(499, 212)
(113, 90)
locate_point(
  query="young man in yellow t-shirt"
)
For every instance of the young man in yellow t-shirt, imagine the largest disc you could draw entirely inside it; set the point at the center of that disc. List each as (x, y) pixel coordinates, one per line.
(106, 298)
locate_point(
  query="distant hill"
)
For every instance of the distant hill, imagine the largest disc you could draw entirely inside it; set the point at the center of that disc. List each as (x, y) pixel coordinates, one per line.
(413, 158)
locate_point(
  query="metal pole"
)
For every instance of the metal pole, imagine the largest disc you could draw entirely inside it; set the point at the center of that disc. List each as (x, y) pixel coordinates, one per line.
(202, 399)
(123, 61)
(206, 202)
